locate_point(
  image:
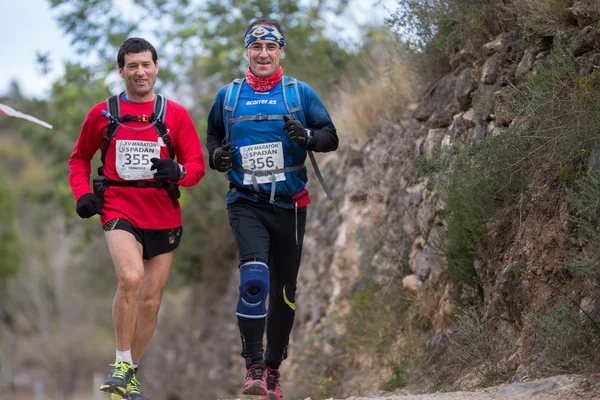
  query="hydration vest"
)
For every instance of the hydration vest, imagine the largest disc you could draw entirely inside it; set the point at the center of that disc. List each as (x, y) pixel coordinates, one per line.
(291, 98)
(114, 122)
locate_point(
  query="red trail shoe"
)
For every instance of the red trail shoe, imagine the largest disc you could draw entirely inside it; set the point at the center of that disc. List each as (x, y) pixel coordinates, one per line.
(273, 389)
(256, 381)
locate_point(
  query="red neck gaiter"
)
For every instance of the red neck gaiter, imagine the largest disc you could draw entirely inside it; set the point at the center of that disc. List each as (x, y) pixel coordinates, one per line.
(263, 84)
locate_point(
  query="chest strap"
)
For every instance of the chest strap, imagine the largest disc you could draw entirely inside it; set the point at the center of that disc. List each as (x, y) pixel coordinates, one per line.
(258, 117)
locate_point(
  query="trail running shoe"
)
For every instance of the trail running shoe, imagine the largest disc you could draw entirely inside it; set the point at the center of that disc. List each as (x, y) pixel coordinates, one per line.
(273, 389)
(256, 380)
(133, 392)
(119, 377)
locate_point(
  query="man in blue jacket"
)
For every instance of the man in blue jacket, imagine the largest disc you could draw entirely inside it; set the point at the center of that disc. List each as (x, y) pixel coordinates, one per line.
(260, 130)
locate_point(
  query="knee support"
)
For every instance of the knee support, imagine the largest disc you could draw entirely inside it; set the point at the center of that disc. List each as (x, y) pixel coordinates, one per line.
(254, 288)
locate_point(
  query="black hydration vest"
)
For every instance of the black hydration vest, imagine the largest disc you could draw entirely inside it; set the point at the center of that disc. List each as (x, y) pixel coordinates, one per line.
(101, 183)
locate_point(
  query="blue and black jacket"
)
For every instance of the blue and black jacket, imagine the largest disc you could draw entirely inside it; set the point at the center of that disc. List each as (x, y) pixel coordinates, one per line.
(258, 140)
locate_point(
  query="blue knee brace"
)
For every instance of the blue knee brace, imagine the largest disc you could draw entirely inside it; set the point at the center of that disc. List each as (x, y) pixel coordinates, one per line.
(254, 288)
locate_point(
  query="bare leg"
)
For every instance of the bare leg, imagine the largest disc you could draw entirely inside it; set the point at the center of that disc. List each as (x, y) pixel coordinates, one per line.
(155, 279)
(126, 253)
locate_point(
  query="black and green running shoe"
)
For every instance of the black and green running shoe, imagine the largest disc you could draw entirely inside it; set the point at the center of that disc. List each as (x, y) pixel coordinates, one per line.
(133, 390)
(119, 377)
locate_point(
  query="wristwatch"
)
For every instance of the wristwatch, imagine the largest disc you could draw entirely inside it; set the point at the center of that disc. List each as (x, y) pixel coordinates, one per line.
(309, 136)
(182, 172)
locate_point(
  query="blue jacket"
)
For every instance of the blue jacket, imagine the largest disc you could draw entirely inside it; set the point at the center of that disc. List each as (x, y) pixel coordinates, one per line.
(264, 144)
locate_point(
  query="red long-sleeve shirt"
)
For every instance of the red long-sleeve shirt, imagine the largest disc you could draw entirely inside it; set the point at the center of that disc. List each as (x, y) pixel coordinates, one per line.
(145, 208)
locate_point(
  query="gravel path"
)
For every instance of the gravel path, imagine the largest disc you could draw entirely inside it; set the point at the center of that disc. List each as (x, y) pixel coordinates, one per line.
(561, 387)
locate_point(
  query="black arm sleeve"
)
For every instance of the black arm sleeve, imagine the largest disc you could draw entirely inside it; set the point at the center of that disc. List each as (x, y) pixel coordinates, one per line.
(318, 119)
(325, 140)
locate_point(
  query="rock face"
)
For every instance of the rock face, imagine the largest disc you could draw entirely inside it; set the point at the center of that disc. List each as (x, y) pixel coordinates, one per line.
(382, 227)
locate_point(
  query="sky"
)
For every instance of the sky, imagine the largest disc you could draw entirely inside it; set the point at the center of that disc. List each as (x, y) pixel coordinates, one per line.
(29, 26)
(26, 27)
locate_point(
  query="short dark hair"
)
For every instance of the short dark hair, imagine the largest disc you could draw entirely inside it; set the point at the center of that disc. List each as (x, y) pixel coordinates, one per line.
(264, 22)
(135, 45)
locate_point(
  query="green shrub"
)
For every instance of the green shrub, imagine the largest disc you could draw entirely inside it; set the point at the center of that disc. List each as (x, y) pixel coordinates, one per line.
(11, 251)
(401, 373)
(447, 24)
(556, 112)
(584, 199)
(565, 340)
(479, 182)
(377, 314)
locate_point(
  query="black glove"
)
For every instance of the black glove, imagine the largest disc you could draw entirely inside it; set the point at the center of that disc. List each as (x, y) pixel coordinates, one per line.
(296, 131)
(88, 205)
(222, 158)
(166, 169)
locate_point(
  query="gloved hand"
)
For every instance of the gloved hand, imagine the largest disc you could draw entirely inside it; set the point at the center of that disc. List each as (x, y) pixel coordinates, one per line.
(166, 169)
(222, 158)
(88, 205)
(296, 131)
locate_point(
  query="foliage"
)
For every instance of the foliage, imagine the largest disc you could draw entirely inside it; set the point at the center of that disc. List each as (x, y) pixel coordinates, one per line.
(367, 335)
(478, 183)
(475, 342)
(565, 340)
(383, 92)
(554, 128)
(48, 302)
(584, 200)
(208, 242)
(201, 44)
(10, 244)
(448, 24)
(376, 314)
(543, 16)
(401, 373)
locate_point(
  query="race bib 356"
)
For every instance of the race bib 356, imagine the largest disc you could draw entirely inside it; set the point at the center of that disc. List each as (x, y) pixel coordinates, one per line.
(262, 158)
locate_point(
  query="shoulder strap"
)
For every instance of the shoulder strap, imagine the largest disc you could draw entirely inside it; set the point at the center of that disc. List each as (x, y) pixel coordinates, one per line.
(291, 98)
(114, 109)
(231, 99)
(160, 111)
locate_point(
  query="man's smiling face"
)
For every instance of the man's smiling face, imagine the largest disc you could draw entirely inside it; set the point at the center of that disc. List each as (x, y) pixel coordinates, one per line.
(139, 73)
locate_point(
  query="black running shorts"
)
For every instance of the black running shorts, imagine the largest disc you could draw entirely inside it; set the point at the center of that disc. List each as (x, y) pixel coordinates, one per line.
(154, 241)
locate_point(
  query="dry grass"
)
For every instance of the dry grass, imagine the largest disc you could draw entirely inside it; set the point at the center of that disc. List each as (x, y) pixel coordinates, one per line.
(541, 15)
(360, 111)
(476, 344)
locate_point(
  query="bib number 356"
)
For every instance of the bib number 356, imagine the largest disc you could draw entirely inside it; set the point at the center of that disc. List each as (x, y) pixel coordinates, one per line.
(262, 157)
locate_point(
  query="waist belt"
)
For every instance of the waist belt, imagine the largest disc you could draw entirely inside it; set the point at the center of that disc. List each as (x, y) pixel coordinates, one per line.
(272, 172)
(260, 195)
(171, 188)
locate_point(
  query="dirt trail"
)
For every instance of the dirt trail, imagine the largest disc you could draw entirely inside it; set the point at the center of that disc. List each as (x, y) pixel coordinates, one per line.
(561, 387)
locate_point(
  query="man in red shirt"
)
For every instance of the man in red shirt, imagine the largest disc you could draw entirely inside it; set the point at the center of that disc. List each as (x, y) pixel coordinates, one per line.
(137, 199)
